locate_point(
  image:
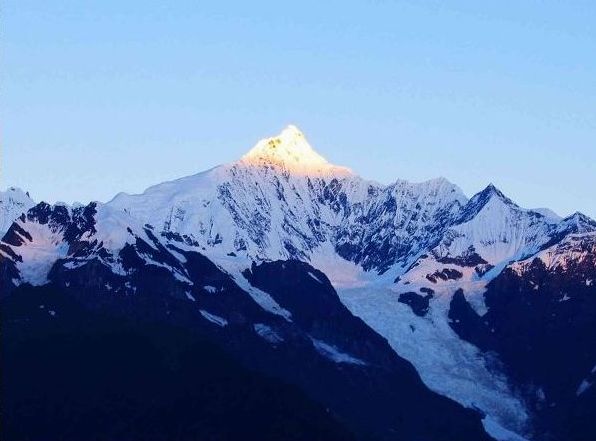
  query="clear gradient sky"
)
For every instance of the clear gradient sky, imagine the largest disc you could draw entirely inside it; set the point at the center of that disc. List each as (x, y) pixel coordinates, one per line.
(104, 96)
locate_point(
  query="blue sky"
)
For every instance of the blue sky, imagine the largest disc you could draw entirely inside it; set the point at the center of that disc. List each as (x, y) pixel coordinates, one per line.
(104, 96)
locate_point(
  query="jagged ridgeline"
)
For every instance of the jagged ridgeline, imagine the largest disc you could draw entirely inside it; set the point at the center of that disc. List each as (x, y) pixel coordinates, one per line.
(332, 306)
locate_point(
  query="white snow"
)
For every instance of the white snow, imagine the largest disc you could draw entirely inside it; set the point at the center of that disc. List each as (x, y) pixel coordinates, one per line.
(494, 429)
(290, 150)
(210, 289)
(112, 228)
(175, 272)
(573, 248)
(548, 213)
(219, 321)
(180, 257)
(585, 384)
(13, 203)
(314, 277)
(73, 264)
(39, 254)
(342, 273)
(264, 300)
(189, 296)
(180, 277)
(499, 233)
(334, 354)
(446, 364)
(267, 333)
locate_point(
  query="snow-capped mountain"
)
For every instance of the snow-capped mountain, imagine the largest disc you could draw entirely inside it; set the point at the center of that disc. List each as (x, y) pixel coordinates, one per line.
(13, 203)
(417, 262)
(283, 200)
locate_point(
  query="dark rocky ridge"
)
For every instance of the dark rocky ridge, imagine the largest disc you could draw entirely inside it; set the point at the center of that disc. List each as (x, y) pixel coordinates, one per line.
(540, 322)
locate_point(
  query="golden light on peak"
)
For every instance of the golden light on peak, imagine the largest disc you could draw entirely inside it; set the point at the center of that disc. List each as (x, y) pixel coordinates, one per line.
(291, 151)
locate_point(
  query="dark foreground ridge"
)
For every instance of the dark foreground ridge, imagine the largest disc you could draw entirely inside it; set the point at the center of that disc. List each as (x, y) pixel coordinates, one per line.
(79, 375)
(80, 362)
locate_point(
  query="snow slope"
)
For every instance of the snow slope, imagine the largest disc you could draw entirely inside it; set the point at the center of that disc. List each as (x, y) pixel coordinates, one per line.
(13, 203)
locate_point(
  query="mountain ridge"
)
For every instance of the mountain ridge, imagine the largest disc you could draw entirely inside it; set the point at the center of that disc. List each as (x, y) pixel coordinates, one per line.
(384, 248)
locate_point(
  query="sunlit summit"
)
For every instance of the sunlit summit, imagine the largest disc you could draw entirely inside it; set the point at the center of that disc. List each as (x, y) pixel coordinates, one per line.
(291, 151)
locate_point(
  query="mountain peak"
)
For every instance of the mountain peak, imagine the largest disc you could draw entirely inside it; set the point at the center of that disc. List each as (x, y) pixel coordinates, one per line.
(482, 199)
(492, 191)
(291, 151)
(580, 222)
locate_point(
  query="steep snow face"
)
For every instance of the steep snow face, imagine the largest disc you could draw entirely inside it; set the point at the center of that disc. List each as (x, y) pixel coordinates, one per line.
(279, 201)
(46, 245)
(577, 223)
(283, 200)
(240, 209)
(489, 233)
(496, 229)
(35, 241)
(13, 203)
(396, 223)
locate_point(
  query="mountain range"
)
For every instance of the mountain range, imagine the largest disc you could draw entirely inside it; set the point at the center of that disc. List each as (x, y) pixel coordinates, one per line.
(402, 311)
